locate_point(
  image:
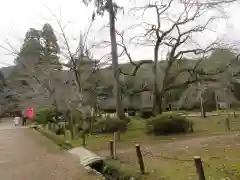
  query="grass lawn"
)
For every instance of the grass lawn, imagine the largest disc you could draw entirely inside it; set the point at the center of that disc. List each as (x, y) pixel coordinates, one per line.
(220, 155)
(136, 133)
(171, 157)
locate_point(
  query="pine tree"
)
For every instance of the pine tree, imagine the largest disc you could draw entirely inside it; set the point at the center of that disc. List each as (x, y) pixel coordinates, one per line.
(50, 46)
(2, 81)
(38, 59)
(40, 46)
(31, 49)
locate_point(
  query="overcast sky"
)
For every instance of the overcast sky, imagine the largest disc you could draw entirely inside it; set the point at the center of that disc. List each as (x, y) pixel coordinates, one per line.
(16, 17)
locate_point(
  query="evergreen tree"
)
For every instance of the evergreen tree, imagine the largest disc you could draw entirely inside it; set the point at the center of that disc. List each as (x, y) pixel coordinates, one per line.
(31, 49)
(2, 81)
(50, 46)
(37, 61)
(40, 46)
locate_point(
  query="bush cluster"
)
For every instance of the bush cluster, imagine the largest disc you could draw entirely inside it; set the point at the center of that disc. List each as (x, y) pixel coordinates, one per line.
(170, 123)
(109, 125)
(60, 130)
(145, 114)
(43, 116)
(115, 170)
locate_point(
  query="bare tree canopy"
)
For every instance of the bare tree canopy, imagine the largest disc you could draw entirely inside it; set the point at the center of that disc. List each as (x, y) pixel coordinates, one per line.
(172, 33)
(178, 59)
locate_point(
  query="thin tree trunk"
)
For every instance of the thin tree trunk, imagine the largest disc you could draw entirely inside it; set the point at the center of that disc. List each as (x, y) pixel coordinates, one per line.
(203, 113)
(202, 107)
(216, 101)
(160, 103)
(65, 120)
(155, 93)
(71, 127)
(92, 119)
(116, 72)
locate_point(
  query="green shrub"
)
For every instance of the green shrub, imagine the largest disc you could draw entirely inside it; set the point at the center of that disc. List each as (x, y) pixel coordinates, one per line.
(115, 170)
(43, 116)
(169, 123)
(109, 125)
(145, 114)
(131, 113)
(60, 130)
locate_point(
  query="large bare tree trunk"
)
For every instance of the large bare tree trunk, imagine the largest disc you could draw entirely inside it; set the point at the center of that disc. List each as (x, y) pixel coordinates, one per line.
(157, 96)
(116, 72)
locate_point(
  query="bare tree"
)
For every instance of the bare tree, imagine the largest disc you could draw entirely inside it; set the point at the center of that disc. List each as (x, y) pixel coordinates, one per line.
(65, 88)
(172, 33)
(83, 69)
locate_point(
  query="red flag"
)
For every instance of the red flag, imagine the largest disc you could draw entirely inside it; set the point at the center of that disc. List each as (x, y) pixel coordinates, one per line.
(30, 113)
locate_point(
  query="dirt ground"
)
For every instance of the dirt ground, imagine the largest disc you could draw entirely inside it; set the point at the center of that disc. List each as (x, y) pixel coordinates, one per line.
(25, 154)
(174, 160)
(175, 144)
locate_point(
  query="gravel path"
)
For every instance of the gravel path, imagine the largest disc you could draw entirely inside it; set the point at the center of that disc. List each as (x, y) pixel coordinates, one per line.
(27, 155)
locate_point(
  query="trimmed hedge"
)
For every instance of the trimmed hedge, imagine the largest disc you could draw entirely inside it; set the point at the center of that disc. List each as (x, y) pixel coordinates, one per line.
(109, 125)
(169, 123)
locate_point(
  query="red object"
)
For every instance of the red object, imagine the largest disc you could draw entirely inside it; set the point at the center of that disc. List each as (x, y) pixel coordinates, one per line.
(30, 113)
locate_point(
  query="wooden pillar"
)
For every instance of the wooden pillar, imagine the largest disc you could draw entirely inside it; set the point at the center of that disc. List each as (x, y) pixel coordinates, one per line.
(199, 168)
(140, 159)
